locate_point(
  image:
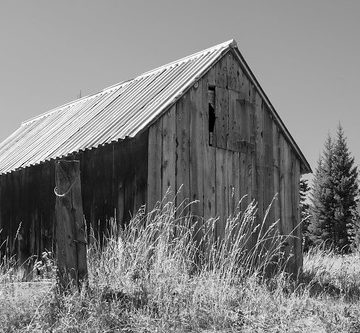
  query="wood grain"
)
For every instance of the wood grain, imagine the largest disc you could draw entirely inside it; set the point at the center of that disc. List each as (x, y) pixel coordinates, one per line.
(70, 226)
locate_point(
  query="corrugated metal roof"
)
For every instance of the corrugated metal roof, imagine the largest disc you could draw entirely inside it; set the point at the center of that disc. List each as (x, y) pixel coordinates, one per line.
(115, 113)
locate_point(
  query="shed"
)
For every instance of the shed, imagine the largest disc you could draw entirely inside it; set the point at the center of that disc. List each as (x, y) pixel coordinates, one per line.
(203, 122)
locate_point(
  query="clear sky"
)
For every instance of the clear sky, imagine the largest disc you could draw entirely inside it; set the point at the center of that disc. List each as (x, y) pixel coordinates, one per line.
(305, 54)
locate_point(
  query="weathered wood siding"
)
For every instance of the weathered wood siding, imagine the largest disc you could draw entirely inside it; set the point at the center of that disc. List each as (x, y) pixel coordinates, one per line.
(249, 154)
(113, 180)
(27, 198)
(114, 184)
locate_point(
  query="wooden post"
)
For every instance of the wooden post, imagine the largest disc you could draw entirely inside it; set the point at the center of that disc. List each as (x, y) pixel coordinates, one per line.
(70, 226)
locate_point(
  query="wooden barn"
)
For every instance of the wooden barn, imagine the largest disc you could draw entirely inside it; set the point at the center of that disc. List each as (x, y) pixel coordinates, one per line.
(202, 122)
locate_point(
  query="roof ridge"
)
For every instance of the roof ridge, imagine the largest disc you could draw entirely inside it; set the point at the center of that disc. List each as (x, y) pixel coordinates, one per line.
(230, 43)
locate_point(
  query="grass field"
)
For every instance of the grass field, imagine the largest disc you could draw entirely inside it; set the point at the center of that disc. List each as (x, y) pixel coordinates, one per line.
(153, 281)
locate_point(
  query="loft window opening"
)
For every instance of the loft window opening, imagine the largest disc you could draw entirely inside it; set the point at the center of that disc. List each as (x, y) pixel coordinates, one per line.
(211, 111)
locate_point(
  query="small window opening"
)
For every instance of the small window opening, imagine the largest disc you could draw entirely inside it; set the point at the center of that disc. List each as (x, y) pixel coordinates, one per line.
(211, 110)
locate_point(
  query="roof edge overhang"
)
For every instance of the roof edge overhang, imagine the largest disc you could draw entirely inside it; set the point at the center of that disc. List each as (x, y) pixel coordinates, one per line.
(68, 155)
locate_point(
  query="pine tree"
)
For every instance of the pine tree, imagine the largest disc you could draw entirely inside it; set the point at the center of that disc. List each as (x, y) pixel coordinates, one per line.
(346, 190)
(305, 213)
(335, 193)
(322, 199)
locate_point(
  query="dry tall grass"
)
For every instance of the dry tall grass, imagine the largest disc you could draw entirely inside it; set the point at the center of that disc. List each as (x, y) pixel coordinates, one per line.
(149, 277)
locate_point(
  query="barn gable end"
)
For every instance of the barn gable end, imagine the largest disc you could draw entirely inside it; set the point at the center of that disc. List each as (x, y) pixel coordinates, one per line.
(245, 152)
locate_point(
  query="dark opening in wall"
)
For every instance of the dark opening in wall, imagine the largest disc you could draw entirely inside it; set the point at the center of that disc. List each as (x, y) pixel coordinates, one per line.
(211, 110)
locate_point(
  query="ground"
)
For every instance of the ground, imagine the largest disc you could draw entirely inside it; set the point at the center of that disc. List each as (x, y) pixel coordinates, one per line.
(149, 282)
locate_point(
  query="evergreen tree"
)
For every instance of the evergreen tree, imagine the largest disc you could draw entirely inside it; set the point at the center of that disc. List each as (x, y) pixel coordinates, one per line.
(321, 224)
(305, 213)
(334, 196)
(346, 190)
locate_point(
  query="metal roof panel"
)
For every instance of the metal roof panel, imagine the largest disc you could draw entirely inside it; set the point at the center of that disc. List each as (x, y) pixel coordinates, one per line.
(117, 112)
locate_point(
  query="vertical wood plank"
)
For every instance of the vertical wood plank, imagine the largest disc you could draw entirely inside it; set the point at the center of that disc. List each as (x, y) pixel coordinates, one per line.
(245, 125)
(251, 152)
(210, 183)
(128, 176)
(276, 163)
(120, 212)
(37, 214)
(282, 194)
(230, 188)
(221, 73)
(228, 183)
(244, 178)
(235, 122)
(209, 171)
(154, 187)
(71, 238)
(169, 153)
(259, 144)
(221, 191)
(50, 214)
(222, 117)
(183, 149)
(137, 161)
(32, 214)
(289, 217)
(141, 169)
(235, 181)
(247, 157)
(42, 207)
(197, 143)
(234, 73)
(246, 88)
(269, 168)
(286, 201)
(289, 207)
